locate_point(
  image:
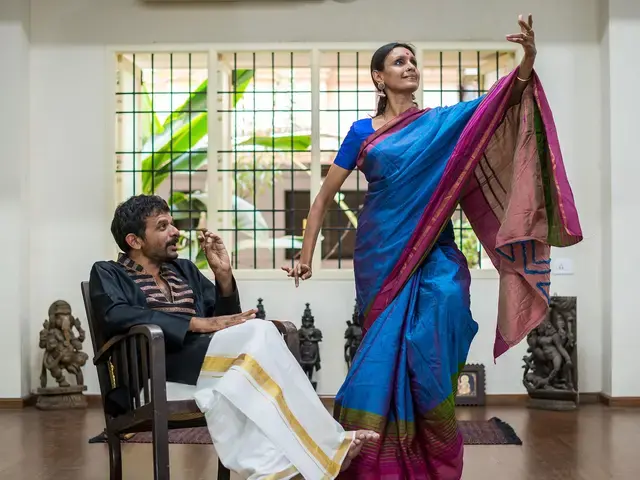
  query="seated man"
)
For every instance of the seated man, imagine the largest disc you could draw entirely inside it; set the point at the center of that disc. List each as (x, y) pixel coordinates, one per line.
(263, 415)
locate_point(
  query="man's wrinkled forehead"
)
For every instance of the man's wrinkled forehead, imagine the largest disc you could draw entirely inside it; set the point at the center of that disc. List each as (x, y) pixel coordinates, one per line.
(157, 218)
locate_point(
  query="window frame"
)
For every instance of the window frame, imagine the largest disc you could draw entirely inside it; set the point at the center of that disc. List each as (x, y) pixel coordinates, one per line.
(314, 49)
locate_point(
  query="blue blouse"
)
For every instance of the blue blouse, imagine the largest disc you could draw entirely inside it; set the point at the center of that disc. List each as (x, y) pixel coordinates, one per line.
(358, 133)
(348, 155)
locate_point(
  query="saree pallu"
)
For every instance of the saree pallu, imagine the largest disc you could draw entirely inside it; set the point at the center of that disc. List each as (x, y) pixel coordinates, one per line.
(504, 167)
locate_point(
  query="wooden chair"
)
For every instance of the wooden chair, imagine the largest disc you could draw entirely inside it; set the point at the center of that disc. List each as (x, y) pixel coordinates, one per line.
(134, 362)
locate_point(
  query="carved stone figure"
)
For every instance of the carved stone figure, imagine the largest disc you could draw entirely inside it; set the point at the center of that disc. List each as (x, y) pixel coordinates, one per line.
(62, 351)
(550, 369)
(310, 338)
(262, 314)
(353, 336)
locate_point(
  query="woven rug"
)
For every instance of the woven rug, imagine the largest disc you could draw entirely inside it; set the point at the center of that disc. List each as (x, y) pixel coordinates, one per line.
(475, 432)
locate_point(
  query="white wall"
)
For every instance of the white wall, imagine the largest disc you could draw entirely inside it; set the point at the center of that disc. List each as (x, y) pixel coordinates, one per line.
(14, 161)
(605, 182)
(69, 186)
(96, 22)
(623, 34)
(332, 305)
(70, 128)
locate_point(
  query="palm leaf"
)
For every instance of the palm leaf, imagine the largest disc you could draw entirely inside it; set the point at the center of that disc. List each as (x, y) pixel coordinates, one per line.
(197, 102)
(183, 129)
(182, 141)
(150, 122)
(241, 79)
(184, 205)
(186, 162)
(280, 142)
(201, 260)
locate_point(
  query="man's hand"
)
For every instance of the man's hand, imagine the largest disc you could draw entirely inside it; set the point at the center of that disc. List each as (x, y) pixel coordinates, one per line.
(218, 260)
(215, 324)
(215, 251)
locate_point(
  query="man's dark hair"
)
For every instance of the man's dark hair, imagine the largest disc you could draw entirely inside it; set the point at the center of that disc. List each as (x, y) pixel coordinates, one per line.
(131, 217)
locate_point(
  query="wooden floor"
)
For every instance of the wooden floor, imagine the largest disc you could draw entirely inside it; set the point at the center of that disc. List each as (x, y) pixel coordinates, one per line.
(596, 443)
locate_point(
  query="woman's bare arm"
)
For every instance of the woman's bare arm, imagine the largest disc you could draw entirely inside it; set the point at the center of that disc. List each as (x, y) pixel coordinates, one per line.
(334, 180)
(527, 39)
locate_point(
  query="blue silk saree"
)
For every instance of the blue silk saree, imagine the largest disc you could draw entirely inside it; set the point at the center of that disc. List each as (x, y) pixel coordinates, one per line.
(412, 281)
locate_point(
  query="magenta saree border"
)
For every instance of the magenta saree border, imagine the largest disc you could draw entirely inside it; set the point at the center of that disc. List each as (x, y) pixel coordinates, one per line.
(458, 173)
(568, 209)
(426, 233)
(389, 128)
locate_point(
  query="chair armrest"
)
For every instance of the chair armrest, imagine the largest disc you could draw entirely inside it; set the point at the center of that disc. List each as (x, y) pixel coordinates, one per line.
(152, 333)
(136, 358)
(291, 337)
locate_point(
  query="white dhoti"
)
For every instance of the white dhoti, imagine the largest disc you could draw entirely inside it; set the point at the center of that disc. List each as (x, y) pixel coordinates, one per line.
(264, 417)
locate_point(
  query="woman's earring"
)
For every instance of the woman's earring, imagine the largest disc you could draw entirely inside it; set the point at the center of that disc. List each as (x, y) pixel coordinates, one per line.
(381, 87)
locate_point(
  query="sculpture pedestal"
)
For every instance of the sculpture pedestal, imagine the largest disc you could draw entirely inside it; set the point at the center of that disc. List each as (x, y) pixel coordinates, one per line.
(557, 400)
(62, 398)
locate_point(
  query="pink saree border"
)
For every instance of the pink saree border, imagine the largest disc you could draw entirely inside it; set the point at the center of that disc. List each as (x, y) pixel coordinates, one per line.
(486, 119)
(420, 243)
(560, 175)
(397, 123)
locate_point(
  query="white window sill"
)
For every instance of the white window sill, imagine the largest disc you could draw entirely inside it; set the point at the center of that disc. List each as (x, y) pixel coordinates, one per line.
(330, 274)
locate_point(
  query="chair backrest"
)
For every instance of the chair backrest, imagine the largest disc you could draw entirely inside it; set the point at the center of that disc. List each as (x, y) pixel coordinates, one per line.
(98, 338)
(96, 327)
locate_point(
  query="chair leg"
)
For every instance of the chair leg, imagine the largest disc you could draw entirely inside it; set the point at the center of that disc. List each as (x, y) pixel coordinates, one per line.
(115, 456)
(223, 472)
(160, 450)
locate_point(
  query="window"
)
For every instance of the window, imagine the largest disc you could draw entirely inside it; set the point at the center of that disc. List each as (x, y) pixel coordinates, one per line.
(339, 234)
(265, 150)
(162, 133)
(449, 77)
(279, 119)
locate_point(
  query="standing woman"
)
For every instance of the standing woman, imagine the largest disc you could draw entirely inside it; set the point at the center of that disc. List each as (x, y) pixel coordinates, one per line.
(412, 281)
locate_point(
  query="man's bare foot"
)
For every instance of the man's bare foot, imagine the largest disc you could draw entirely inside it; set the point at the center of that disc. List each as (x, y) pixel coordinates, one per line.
(360, 437)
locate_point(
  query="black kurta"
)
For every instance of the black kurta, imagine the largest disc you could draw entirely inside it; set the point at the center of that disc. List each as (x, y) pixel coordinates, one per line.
(120, 294)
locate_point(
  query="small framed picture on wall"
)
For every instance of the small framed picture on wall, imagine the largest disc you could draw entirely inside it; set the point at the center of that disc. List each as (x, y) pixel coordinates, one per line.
(471, 386)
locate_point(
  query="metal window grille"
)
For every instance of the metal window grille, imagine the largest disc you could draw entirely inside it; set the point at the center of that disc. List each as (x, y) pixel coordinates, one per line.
(449, 77)
(162, 134)
(346, 95)
(265, 113)
(279, 121)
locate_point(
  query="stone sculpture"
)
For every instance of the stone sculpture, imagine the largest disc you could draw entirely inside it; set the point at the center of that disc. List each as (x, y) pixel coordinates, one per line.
(550, 369)
(262, 314)
(353, 336)
(62, 351)
(310, 338)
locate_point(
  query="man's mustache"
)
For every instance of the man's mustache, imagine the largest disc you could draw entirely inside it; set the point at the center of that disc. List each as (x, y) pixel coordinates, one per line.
(173, 242)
